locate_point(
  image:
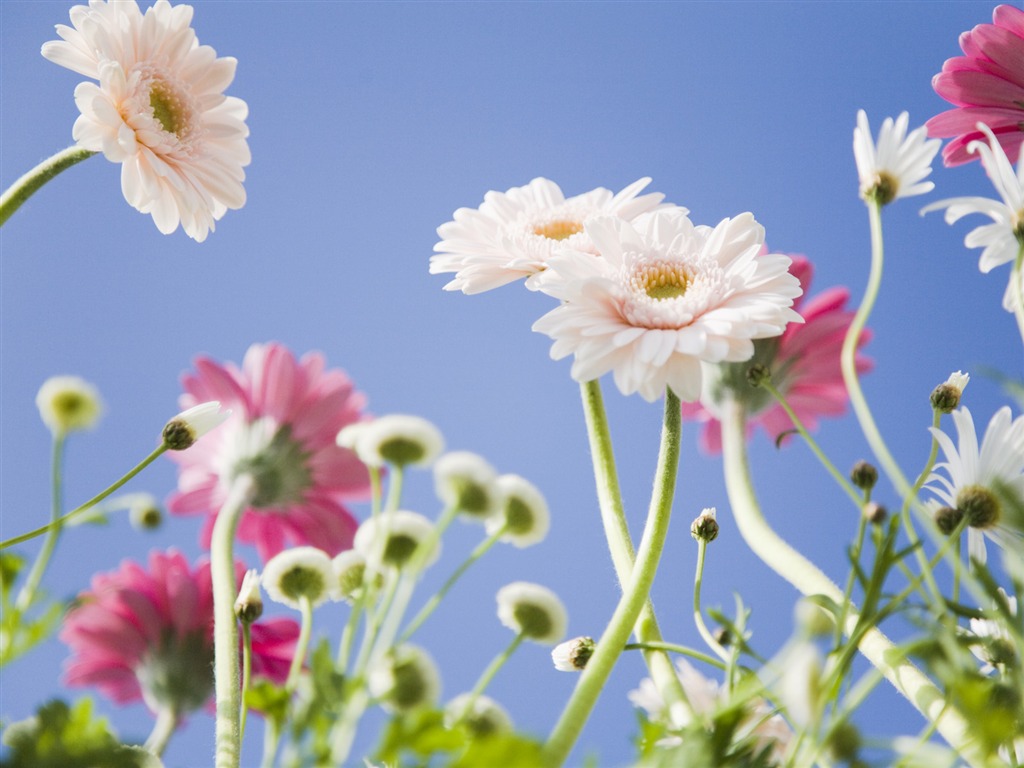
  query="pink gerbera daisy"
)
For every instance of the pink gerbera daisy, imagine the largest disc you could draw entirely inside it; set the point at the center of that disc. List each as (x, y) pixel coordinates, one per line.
(804, 363)
(986, 85)
(148, 634)
(286, 414)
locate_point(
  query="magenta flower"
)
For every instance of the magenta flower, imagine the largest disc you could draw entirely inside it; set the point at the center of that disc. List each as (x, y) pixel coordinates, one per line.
(285, 417)
(148, 634)
(986, 85)
(804, 363)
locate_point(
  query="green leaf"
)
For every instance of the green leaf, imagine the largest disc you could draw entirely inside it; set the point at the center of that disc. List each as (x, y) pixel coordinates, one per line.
(11, 566)
(509, 750)
(59, 736)
(271, 700)
(422, 732)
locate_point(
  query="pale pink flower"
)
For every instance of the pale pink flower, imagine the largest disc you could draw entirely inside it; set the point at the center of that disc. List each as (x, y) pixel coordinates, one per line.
(285, 415)
(513, 234)
(663, 296)
(147, 634)
(158, 109)
(804, 363)
(985, 85)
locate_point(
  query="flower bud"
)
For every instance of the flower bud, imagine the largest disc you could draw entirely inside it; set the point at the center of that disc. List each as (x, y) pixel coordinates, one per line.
(573, 655)
(946, 397)
(979, 505)
(183, 430)
(844, 742)
(144, 512)
(68, 403)
(249, 605)
(864, 475)
(947, 519)
(705, 526)
(874, 513)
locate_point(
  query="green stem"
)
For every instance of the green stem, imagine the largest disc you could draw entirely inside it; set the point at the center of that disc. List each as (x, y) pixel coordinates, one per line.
(698, 617)
(225, 623)
(35, 576)
(1018, 290)
(165, 726)
(60, 522)
(301, 646)
(488, 674)
(809, 580)
(349, 632)
(246, 677)
(680, 649)
(634, 598)
(855, 554)
(29, 184)
(395, 489)
(620, 544)
(375, 487)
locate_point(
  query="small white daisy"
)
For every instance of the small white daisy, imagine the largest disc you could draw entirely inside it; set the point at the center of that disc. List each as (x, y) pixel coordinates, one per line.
(404, 679)
(975, 479)
(468, 482)
(663, 296)
(396, 439)
(1003, 238)
(485, 717)
(300, 572)
(525, 519)
(68, 403)
(532, 611)
(392, 538)
(513, 234)
(898, 164)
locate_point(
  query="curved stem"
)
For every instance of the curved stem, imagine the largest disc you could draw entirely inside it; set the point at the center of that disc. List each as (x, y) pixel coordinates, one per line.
(633, 600)
(56, 524)
(29, 184)
(165, 726)
(698, 617)
(488, 674)
(35, 576)
(225, 624)
(246, 676)
(620, 544)
(809, 580)
(682, 650)
(299, 657)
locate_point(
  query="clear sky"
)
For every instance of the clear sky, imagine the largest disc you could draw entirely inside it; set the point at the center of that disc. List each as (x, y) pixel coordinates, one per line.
(370, 124)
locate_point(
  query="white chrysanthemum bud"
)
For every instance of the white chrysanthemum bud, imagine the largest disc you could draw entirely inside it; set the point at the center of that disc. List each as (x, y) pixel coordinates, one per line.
(297, 573)
(405, 679)
(183, 430)
(533, 611)
(390, 539)
(249, 605)
(573, 655)
(399, 440)
(484, 717)
(705, 525)
(465, 481)
(68, 403)
(945, 398)
(144, 512)
(350, 570)
(524, 517)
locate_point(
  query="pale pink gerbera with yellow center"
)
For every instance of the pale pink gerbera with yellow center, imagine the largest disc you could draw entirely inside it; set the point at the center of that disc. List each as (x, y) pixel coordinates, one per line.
(158, 109)
(804, 365)
(664, 296)
(512, 234)
(285, 416)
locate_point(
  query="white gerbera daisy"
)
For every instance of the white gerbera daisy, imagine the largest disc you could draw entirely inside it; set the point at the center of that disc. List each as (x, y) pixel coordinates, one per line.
(512, 234)
(978, 480)
(1004, 237)
(898, 164)
(159, 110)
(663, 296)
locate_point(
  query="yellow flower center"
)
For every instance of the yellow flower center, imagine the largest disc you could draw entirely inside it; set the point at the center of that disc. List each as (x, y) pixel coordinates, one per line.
(560, 229)
(663, 280)
(167, 107)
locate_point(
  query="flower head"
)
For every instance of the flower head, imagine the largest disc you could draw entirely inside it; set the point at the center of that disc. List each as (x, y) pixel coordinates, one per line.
(1003, 238)
(898, 164)
(404, 679)
(147, 633)
(286, 414)
(663, 296)
(484, 718)
(946, 396)
(392, 539)
(466, 481)
(513, 234)
(977, 481)
(705, 525)
(68, 403)
(525, 519)
(985, 85)
(395, 439)
(573, 655)
(158, 109)
(302, 572)
(532, 611)
(349, 571)
(804, 366)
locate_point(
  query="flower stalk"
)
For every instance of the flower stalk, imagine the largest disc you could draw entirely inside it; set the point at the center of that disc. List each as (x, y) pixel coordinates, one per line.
(21, 190)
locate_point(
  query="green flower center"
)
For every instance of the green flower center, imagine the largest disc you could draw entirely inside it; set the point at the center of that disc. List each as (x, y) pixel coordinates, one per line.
(167, 107)
(300, 581)
(979, 505)
(533, 620)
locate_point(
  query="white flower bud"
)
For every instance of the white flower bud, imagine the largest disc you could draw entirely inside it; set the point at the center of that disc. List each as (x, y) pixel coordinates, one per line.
(183, 430)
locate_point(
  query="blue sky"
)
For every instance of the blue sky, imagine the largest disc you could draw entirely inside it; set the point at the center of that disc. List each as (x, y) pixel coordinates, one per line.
(370, 124)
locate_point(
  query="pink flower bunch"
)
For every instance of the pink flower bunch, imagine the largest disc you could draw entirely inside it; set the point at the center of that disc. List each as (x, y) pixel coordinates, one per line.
(148, 634)
(286, 414)
(804, 364)
(985, 85)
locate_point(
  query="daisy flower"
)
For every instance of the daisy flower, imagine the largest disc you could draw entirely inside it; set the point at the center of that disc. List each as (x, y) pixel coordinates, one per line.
(663, 296)
(985, 85)
(68, 403)
(147, 633)
(285, 415)
(804, 365)
(513, 234)
(975, 481)
(897, 165)
(158, 109)
(995, 642)
(1003, 239)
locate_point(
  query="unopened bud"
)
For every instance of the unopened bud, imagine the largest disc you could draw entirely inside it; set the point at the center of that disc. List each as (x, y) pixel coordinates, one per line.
(874, 513)
(864, 475)
(573, 655)
(948, 519)
(705, 526)
(946, 397)
(249, 605)
(183, 430)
